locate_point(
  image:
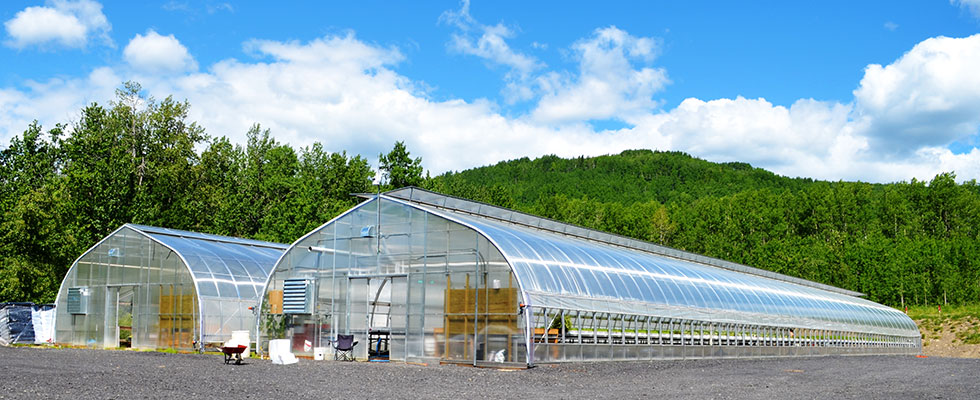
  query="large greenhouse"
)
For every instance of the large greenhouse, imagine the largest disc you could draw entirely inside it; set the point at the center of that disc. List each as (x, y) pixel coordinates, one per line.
(421, 277)
(147, 287)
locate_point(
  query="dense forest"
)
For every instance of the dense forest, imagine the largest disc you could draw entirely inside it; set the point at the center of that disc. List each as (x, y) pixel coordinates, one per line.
(140, 160)
(911, 242)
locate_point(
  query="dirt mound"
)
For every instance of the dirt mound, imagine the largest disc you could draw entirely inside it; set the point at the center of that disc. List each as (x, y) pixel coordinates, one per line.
(949, 337)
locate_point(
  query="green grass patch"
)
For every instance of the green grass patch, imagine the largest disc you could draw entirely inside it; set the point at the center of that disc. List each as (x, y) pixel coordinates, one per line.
(962, 320)
(970, 337)
(932, 313)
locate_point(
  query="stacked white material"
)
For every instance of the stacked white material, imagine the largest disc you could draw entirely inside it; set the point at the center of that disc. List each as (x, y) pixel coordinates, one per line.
(4, 327)
(240, 338)
(279, 352)
(43, 321)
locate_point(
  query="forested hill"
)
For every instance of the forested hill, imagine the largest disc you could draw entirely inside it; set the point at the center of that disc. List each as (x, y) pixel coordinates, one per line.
(144, 161)
(629, 177)
(908, 242)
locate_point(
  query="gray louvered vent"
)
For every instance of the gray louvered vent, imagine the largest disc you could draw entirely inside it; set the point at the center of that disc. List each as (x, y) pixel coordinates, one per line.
(297, 296)
(78, 300)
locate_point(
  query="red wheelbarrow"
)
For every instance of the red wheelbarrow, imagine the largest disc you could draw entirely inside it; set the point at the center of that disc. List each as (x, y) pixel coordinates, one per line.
(233, 353)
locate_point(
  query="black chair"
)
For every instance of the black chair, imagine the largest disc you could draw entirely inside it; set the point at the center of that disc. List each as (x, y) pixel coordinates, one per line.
(344, 348)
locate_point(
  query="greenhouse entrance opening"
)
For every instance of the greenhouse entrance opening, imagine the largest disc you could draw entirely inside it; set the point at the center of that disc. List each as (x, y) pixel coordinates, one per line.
(377, 314)
(119, 316)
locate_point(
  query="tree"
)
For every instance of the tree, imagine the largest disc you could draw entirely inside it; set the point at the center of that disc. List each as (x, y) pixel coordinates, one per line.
(399, 169)
(662, 226)
(32, 232)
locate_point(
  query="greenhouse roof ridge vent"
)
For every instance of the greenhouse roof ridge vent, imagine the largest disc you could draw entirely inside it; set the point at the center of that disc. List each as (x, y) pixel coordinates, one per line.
(207, 237)
(452, 203)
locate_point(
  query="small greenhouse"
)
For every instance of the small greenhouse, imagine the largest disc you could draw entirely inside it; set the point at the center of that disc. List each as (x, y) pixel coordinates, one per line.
(421, 277)
(147, 287)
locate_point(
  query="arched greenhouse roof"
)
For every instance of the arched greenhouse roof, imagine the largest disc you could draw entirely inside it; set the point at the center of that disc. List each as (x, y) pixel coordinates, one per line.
(590, 271)
(220, 266)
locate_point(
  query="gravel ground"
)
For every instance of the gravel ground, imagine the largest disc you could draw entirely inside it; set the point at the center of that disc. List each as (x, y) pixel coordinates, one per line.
(77, 373)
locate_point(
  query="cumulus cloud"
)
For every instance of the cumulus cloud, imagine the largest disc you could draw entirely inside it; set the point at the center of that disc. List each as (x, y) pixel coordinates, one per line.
(608, 85)
(345, 93)
(60, 22)
(156, 53)
(900, 124)
(756, 131)
(54, 101)
(929, 97)
(348, 94)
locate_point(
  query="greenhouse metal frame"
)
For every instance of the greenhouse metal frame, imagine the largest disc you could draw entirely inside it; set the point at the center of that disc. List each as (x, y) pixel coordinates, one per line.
(422, 277)
(157, 288)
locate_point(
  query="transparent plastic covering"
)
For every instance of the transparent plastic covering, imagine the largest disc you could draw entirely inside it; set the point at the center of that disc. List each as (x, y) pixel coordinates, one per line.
(425, 197)
(150, 287)
(557, 271)
(222, 267)
(463, 282)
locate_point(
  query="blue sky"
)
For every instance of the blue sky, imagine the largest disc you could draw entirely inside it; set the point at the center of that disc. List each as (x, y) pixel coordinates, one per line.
(874, 91)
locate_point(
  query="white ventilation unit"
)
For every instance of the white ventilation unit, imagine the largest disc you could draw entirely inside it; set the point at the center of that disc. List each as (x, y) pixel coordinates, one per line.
(78, 300)
(297, 296)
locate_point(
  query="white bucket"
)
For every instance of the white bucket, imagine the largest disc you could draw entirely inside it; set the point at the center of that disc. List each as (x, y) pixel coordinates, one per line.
(319, 353)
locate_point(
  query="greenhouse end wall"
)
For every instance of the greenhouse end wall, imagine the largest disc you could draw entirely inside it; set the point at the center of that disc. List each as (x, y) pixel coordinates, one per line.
(148, 287)
(138, 294)
(409, 286)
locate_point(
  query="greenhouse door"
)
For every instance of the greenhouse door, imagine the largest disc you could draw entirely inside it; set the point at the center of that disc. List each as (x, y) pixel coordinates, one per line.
(398, 316)
(377, 316)
(119, 316)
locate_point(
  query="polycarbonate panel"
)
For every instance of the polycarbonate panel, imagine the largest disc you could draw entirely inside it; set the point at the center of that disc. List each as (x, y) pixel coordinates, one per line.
(566, 272)
(168, 277)
(451, 257)
(221, 265)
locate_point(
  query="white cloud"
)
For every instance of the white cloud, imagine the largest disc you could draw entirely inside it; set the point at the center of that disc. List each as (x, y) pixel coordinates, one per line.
(344, 93)
(928, 97)
(156, 53)
(903, 117)
(491, 45)
(347, 94)
(607, 85)
(755, 131)
(60, 22)
(972, 5)
(214, 8)
(54, 101)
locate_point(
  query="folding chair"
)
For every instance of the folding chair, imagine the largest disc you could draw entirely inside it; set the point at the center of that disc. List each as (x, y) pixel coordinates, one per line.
(344, 348)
